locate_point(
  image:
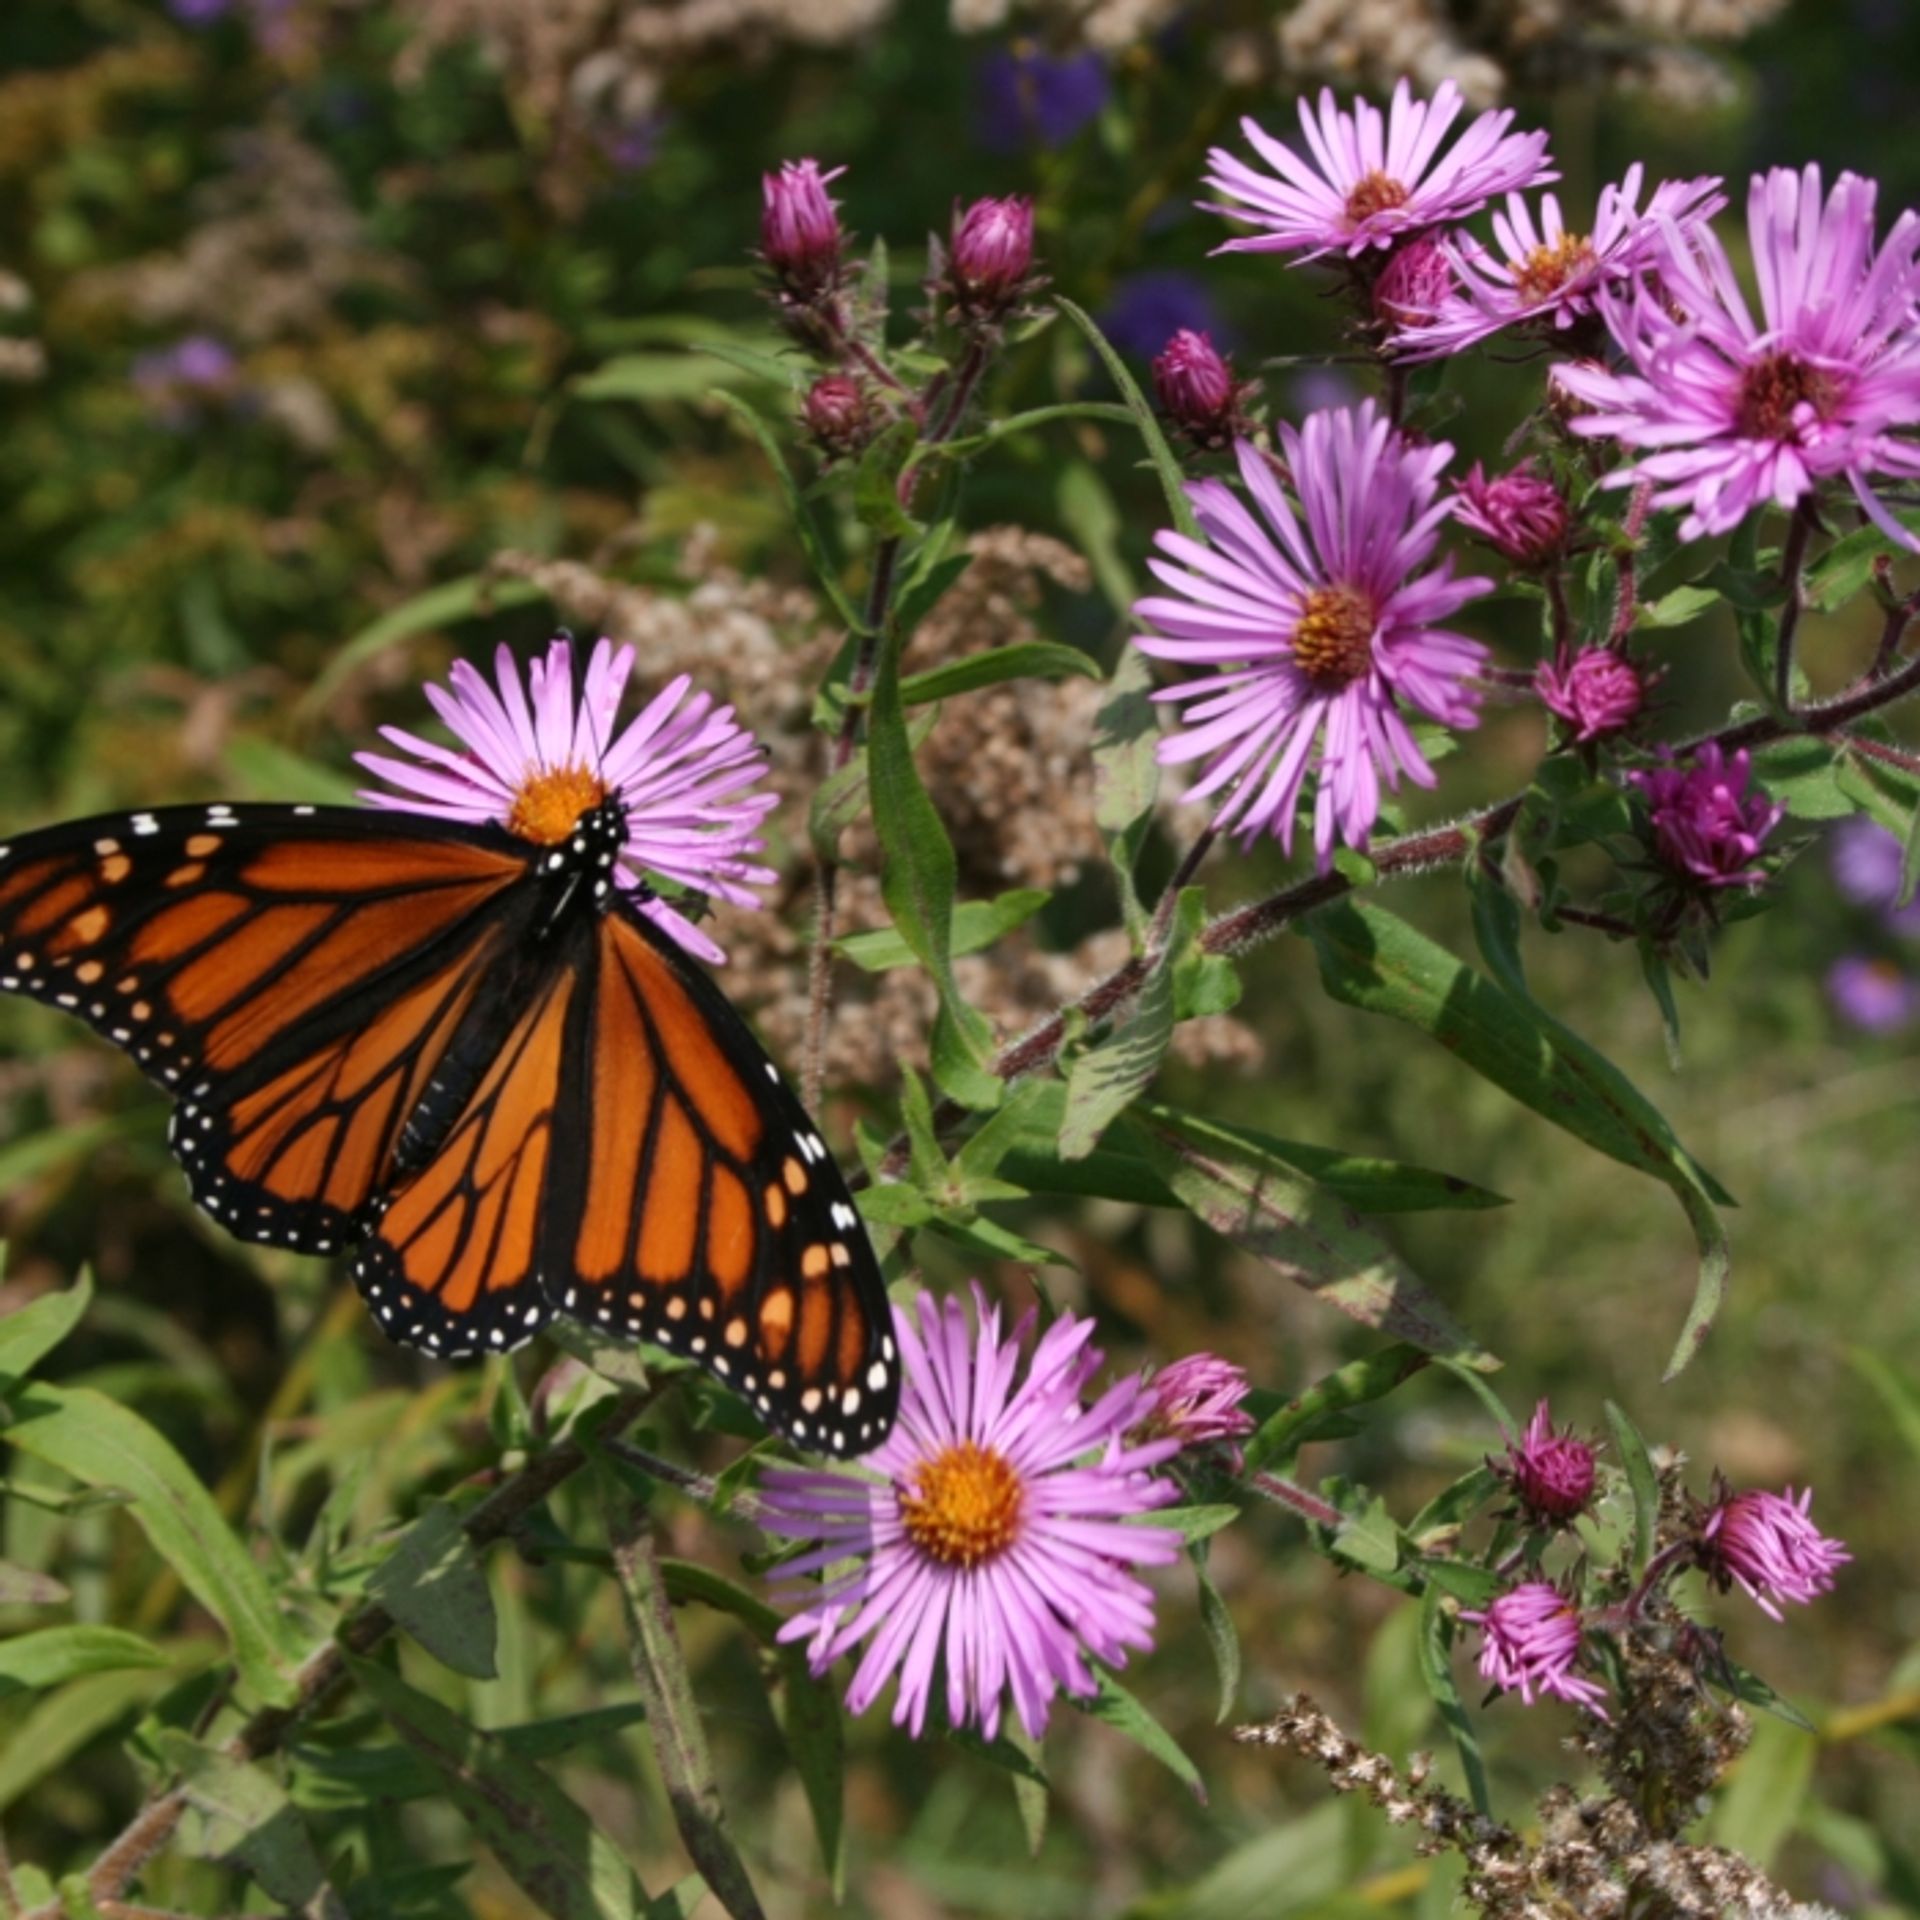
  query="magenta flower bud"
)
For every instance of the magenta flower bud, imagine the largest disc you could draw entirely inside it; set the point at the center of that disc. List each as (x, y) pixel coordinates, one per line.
(1597, 693)
(800, 235)
(1414, 286)
(1197, 390)
(1521, 514)
(838, 413)
(1197, 1402)
(1551, 1474)
(1707, 826)
(1532, 1645)
(991, 254)
(1766, 1544)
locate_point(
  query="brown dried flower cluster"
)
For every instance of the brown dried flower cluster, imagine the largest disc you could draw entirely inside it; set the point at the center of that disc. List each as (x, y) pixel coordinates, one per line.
(1598, 1858)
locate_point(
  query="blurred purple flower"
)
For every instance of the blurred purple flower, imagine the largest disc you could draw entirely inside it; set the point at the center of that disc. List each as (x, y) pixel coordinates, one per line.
(994, 1536)
(1551, 1474)
(632, 145)
(198, 363)
(1877, 996)
(1147, 309)
(1372, 179)
(1767, 1544)
(1866, 859)
(199, 13)
(1025, 96)
(1532, 1645)
(1708, 825)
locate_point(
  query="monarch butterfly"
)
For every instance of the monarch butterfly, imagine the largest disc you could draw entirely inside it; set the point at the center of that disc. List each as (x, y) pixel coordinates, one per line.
(466, 1041)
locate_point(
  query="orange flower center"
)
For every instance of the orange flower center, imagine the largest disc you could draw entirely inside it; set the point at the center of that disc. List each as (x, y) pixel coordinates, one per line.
(1774, 390)
(963, 1505)
(550, 803)
(1547, 269)
(1334, 640)
(1377, 193)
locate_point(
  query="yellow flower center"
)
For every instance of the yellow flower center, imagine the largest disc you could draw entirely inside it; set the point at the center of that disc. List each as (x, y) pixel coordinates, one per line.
(1774, 390)
(551, 802)
(1377, 193)
(1547, 269)
(1334, 640)
(962, 1506)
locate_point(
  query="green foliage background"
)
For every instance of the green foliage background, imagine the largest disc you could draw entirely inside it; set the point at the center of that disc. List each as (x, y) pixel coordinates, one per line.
(175, 597)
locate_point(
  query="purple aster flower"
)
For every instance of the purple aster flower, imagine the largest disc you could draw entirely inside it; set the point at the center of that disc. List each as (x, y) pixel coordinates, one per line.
(198, 363)
(800, 237)
(1531, 1645)
(1197, 1401)
(994, 1534)
(199, 13)
(1726, 414)
(1597, 693)
(1371, 178)
(1867, 861)
(1707, 825)
(1550, 276)
(1147, 309)
(990, 254)
(1874, 995)
(1551, 1474)
(533, 759)
(1197, 390)
(1416, 285)
(1025, 96)
(1320, 622)
(1521, 515)
(1765, 1543)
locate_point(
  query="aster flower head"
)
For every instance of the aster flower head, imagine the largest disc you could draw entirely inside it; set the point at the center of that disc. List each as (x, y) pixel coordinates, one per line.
(1520, 514)
(1026, 96)
(1709, 825)
(839, 414)
(1767, 1544)
(1315, 624)
(1551, 1474)
(990, 255)
(1198, 1400)
(1531, 1646)
(1416, 284)
(1548, 276)
(1723, 413)
(800, 237)
(535, 757)
(1598, 692)
(1197, 391)
(1369, 179)
(992, 1534)
(1867, 861)
(1874, 994)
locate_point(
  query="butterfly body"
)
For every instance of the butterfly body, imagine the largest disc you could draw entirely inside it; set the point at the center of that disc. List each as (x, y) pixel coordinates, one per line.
(470, 1057)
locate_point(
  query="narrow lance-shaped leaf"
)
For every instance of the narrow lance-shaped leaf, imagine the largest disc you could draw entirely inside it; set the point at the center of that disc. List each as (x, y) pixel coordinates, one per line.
(51, 1656)
(1024, 660)
(238, 1813)
(30, 1333)
(1126, 773)
(1372, 1377)
(1106, 1080)
(1120, 1710)
(976, 924)
(434, 1586)
(1436, 1668)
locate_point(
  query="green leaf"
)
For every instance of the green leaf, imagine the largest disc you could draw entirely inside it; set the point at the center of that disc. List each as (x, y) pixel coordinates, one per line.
(1846, 566)
(1455, 1504)
(1436, 1669)
(51, 1656)
(1366, 1535)
(977, 924)
(1195, 1524)
(1126, 773)
(1371, 959)
(876, 483)
(1898, 1393)
(1298, 1228)
(1679, 608)
(1025, 423)
(1759, 1806)
(30, 1333)
(1024, 660)
(1286, 1430)
(1114, 1705)
(434, 1586)
(650, 378)
(239, 1814)
(101, 1444)
(1643, 1482)
(1165, 465)
(544, 1842)
(1106, 1080)
(266, 770)
(476, 594)
(1089, 512)
(806, 528)
(69, 1718)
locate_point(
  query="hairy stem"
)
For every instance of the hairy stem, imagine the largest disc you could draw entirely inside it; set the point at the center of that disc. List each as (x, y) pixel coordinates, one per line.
(1289, 1493)
(1792, 561)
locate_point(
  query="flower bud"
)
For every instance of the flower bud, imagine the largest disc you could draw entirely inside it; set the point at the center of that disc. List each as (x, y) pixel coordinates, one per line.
(1597, 693)
(800, 237)
(991, 255)
(838, 413)
(1767, 1544)
(1197, 390)
(1707, 826)
(1551, 1474)
(1197, 1400)
(1521, 514)
(1413, 286)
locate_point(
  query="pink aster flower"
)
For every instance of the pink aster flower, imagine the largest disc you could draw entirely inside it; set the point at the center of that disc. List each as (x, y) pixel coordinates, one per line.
(1372, 178)
(1521, 515)
(1707, 825)
(1725, 413)
(800, 237)
(1767, 1544)
(1598, 692)
(991, 254)
(1551, 1474)
(533, 759)
(1547, 275)
(1416, 284)
(1321, 622)
(1197, 391)
(1531, 1646)
(993, 1533)
(1197, 1401)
